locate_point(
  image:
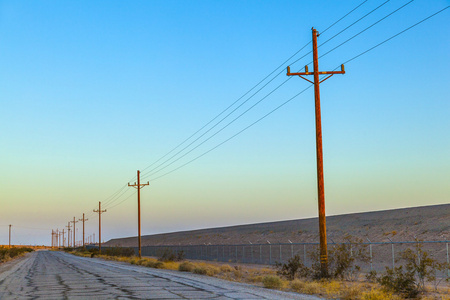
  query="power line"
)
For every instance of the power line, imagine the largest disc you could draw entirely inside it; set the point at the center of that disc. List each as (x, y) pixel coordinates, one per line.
(376, 8)
(231, 105)
(367, 28)
(344, 16)
(395, 35)
(236, 134)
(221, 129)
(221, 113)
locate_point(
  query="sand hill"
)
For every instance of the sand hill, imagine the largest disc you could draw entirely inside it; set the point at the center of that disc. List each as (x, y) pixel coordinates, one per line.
(430, 223)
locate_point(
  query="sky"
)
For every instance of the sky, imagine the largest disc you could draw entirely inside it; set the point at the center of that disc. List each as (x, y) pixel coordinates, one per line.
(92, 91)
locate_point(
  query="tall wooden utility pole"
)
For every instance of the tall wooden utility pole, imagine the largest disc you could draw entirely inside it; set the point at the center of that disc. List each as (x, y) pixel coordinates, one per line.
(74, 232)
(84, 247)
(63, 242)
(10, 235)
(139, 186)
(320, 183)
(99, 211)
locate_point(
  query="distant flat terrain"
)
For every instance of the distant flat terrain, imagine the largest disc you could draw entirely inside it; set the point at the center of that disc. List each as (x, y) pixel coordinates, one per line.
(431, 223)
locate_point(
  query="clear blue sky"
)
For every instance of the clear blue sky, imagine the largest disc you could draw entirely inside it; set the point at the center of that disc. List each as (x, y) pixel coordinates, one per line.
(92, 91)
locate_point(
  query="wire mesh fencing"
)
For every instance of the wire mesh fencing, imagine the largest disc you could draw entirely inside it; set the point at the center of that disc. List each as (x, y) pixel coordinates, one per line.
(378, 255)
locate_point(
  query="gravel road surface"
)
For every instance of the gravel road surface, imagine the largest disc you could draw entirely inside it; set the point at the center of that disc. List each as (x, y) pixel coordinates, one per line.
(58, 275)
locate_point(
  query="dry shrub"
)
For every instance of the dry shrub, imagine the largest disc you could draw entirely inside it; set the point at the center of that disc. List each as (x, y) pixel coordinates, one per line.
(312, 288)
(199, 270)
(186, 267)
(297, 285)
(226, 268)
(350, 293)
(332, 289)
(134, 260)
(272, 282)
(171, 265)
(257, 278)
(237, 274)
(378, 294)
(212, 270)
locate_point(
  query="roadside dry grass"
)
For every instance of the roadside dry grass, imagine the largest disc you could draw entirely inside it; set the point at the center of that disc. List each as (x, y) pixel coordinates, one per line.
(7, 253)
(267, 277)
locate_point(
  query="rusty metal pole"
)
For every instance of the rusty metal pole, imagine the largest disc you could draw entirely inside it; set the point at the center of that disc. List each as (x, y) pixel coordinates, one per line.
(320, 183)
(10, 235)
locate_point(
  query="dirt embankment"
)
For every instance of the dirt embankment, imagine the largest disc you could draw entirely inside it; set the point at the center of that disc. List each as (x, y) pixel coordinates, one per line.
(429, 223)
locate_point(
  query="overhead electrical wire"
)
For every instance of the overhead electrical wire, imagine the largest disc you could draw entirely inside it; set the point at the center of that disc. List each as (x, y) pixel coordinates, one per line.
(221, 113)
(395, 35)
(284, 103)
(345, 16)
(367, 28)
(282, 65)
(354, 23)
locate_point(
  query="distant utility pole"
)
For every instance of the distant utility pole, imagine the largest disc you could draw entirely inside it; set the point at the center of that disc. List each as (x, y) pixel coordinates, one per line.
(10, 235)
(139, 186)
(99, 211)
(320, 183)
(63, 244)
(83, 219)
(68, 234)
(74, 232)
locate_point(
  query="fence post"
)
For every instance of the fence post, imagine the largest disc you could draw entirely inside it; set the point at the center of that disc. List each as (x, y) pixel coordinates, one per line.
(280, 254)
(370, 251)
(393, 255)
(251, 250)
(236, 255)
(270, 254)
(304, 254)
(448, 271)
(260, 254)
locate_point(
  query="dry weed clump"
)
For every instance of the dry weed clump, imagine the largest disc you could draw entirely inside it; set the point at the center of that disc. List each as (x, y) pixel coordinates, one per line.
(186, 267)
(226, 268)
(272, 282)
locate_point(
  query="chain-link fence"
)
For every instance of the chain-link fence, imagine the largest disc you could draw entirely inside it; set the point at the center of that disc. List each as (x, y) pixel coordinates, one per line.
(378, 254)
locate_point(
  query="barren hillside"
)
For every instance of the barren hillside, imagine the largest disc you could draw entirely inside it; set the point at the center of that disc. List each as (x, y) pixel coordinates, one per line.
(430, 223)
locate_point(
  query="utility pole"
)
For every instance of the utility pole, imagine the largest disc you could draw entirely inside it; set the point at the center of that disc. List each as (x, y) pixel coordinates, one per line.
(139, 186)
(68, 234)
(74, 232)
(84, 247)
(99, 211)
(63, 244)
(10, 235)
(319, 154)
